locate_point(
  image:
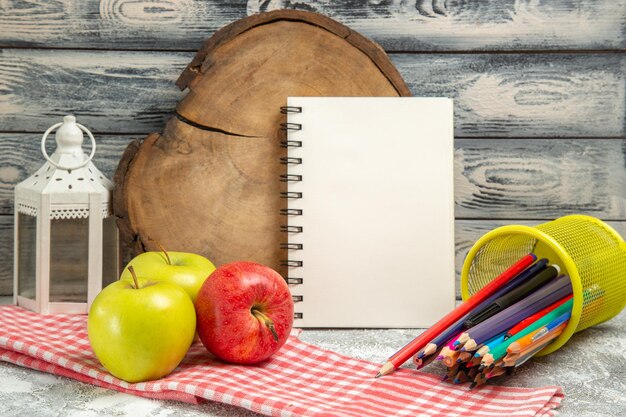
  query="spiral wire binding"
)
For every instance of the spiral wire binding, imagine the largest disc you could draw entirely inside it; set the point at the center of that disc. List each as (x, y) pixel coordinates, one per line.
(291, 229)
(291, 246)
(291, 161)
(291, 212)
(292, 195)
(290, 109)
(290, 178)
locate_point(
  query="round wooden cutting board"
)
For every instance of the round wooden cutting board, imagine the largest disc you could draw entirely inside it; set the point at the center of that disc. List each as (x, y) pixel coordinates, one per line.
(210, 183)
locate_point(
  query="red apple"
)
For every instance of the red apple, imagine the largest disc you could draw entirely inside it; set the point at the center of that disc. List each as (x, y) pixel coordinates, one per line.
(244, 312)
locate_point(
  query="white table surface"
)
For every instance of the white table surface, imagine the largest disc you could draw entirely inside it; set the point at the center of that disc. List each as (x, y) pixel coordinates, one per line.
(591, 368)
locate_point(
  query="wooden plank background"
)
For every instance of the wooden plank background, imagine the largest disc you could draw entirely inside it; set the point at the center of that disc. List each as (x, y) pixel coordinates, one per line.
(539, 89)
(398, 25)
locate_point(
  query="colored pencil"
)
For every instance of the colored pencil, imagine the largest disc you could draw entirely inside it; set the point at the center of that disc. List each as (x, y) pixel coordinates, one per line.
(450, 359)
(423, 339)
(479, 380)
(530, 319)
(425, 360)
(450, 344)
(528, 353)
(451, 372)
(443, 352)
(461, 376)
(496, 371)
(462, 339)
(474, 361)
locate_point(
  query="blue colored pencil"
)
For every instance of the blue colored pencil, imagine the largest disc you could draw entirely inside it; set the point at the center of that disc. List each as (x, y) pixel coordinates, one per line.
(553, 324)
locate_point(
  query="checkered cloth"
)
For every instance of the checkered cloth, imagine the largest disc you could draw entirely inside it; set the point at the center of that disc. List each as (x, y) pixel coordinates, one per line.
(299, 380)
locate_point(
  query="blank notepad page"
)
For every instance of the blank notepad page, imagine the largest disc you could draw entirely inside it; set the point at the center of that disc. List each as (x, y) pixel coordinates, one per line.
(377, 207)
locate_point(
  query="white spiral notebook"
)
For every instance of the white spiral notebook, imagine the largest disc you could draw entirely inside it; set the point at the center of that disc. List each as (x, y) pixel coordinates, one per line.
(369, 210)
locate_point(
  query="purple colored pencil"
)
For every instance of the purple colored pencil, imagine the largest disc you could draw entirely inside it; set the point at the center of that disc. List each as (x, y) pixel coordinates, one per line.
(550, 293)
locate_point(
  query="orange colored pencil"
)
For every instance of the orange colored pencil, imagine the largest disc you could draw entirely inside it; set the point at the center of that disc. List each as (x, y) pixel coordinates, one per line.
(528, 340)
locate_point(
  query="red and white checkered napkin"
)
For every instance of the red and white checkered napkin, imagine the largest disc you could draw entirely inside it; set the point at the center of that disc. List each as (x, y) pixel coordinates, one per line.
(299, 380)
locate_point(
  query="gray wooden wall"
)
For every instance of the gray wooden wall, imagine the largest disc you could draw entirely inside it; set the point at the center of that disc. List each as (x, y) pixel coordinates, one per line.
(539, 90)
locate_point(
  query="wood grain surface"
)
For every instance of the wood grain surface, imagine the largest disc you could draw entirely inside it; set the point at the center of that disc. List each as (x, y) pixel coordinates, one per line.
(496, 95)
(540, 178)
(108, 91)
(494, 178)
(525, 95)
(398, 25)
(539, 90)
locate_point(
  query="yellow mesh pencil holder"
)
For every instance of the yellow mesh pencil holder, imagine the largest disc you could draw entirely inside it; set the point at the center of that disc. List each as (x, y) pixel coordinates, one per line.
(591, 252)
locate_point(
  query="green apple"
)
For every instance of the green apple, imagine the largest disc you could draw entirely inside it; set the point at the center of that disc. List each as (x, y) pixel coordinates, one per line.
(140, 330)
(186, 270)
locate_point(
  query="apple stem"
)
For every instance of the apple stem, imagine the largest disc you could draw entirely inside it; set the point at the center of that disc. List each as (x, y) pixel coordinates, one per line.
(132, 273)
(265, 320)
(167, 256)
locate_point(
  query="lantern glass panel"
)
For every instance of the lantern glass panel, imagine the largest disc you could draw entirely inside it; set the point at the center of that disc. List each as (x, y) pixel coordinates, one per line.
(69, 260)
(26, 256)
(110, 264)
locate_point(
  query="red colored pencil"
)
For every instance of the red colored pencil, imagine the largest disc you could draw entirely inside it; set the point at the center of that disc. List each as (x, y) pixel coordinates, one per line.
(531, 319)
(423, 339)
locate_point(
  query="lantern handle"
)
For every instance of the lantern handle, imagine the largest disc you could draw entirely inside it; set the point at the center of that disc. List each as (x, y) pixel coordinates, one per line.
(85, 162)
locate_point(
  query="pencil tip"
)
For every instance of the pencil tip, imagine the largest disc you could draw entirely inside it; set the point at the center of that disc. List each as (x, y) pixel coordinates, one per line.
(388, 367)
(440, 357)
(420, 355)
(472, 385)
(445, 377)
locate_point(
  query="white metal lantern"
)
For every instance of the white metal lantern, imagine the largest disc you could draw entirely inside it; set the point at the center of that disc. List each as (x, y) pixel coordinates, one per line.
(65, 234)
